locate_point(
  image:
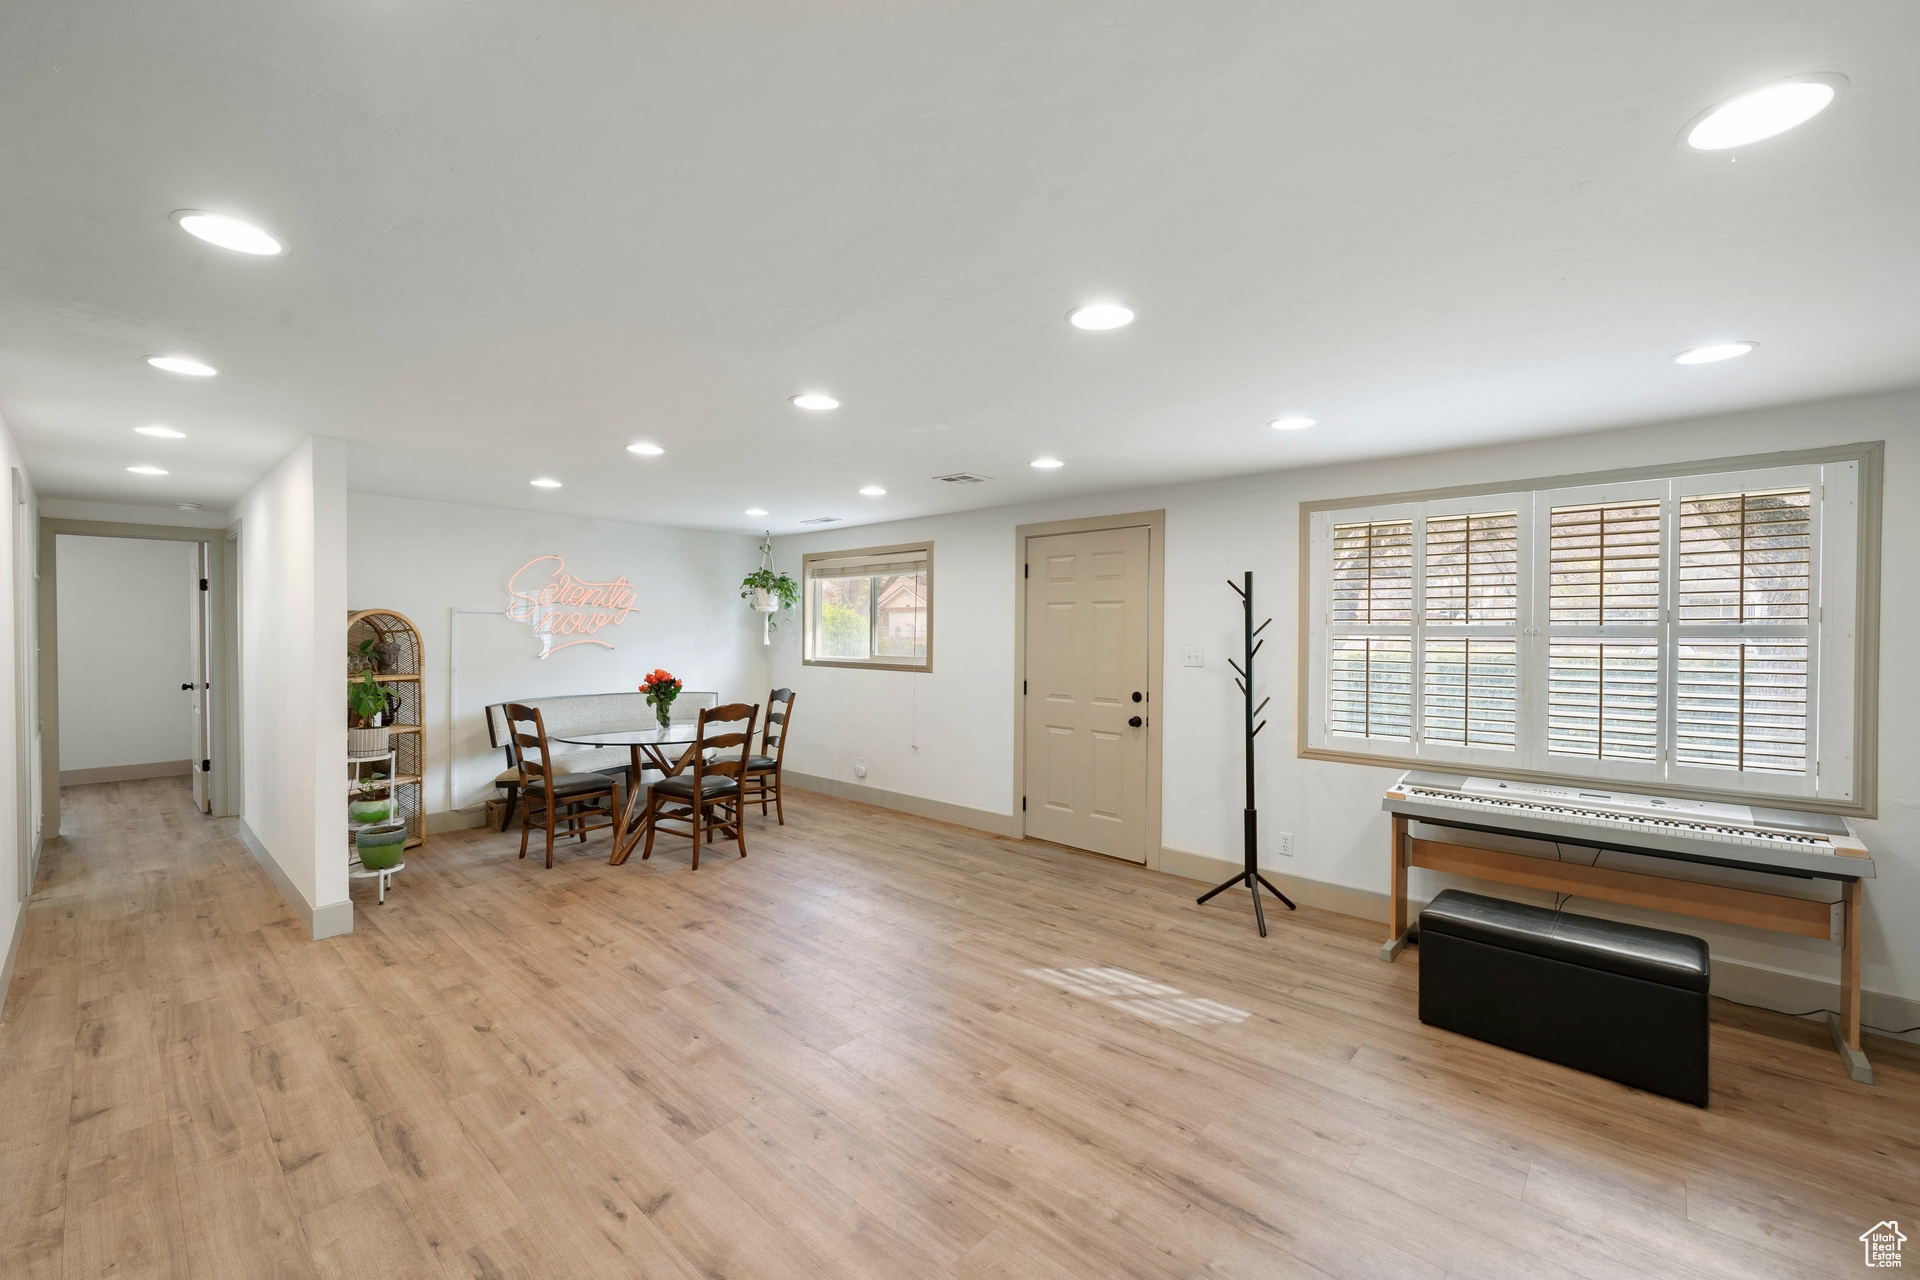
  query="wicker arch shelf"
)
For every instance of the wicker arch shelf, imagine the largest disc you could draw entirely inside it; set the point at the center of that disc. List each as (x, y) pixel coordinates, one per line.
(398, 655)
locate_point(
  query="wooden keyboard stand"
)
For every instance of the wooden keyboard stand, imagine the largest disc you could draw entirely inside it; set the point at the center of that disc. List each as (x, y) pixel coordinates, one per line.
(1838, 922)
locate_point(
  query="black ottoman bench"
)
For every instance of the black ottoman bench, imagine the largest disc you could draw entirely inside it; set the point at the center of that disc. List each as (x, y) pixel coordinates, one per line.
(1615, 999)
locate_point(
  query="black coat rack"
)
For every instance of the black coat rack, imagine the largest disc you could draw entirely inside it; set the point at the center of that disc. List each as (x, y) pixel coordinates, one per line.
(1250, 824)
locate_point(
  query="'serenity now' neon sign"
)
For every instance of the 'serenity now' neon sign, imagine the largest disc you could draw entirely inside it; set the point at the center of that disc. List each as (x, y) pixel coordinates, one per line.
(564, 605)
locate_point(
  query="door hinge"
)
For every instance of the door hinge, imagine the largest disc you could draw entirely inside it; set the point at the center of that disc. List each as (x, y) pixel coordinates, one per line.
(1023, 804)
(1023, 688)
(1026, 571)
(206, 766)
(203, 584)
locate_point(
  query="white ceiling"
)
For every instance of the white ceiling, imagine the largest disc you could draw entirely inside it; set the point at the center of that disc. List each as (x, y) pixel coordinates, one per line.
(523, 236)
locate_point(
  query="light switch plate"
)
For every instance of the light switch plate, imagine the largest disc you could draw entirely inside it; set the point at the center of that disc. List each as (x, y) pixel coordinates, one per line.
(1196, 657)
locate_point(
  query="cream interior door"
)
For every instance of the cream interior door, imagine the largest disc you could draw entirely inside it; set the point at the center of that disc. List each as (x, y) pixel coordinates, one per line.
(1086, 690)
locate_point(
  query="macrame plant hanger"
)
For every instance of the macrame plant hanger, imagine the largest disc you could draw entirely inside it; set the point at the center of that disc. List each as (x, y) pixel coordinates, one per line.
(766, 563)
(1250, 821)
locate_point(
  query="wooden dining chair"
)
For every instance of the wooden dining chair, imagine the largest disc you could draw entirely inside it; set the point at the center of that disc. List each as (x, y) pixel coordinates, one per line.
(706, 795)
(763, 770)
(544, 792)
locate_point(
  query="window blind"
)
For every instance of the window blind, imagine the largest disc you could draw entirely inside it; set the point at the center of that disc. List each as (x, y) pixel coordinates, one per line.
(1371, 689)
(1373, 572)
(862, 566)
(1473, 568)
(1603, 680)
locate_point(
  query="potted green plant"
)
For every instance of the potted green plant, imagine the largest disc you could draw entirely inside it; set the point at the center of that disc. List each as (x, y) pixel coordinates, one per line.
(372, 802)
(366, 704)
(367, 654)
(380, 847)
(769, 592)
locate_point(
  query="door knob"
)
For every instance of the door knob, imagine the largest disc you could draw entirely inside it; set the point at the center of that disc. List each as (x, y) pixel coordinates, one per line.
(186, 686)
(1136, 695)
(1135, 722)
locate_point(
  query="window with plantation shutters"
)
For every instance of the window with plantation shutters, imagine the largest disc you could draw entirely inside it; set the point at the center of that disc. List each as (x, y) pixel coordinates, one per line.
(1603, 617)
(1693, 630)
(1470, 646)
(1371, 670)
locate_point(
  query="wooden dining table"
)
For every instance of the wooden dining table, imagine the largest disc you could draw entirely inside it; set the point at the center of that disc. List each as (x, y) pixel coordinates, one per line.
(646, 745)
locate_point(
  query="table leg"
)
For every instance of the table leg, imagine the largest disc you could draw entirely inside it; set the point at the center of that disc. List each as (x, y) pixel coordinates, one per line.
(625, 836)
(1397, 893)
(1846, 1027)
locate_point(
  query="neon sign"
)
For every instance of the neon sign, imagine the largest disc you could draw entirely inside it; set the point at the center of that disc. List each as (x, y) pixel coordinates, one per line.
(564, 605)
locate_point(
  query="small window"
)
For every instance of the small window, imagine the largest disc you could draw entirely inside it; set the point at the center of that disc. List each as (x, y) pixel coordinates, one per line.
(871, 608)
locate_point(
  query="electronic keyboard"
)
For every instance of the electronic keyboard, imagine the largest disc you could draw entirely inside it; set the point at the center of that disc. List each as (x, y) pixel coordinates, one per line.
(1781, 841)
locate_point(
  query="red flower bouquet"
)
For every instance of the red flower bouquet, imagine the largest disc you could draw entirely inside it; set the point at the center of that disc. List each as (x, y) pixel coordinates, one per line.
(661, 688)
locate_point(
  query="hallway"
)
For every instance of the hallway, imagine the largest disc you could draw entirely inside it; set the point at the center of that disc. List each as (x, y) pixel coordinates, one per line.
(898, 1049)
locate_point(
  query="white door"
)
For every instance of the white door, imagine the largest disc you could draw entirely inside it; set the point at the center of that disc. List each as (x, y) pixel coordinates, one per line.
(1086, 690)
(197, 680)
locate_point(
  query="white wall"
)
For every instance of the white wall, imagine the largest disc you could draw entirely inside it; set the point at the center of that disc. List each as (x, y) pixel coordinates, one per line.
(948, 736)
(19, 702)
(426, 559)
(293, 600)
(125, 626)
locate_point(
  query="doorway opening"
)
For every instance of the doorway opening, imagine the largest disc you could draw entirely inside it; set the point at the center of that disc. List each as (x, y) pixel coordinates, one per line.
(133, 629)
(1089, 619)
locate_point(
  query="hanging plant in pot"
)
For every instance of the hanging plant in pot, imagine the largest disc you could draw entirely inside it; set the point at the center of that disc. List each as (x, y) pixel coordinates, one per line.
(366, 705)
(768, 591)
(661, 689)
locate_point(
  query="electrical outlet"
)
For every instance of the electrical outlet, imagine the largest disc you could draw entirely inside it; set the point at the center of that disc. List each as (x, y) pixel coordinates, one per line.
(1196, 656)
(1283, 843)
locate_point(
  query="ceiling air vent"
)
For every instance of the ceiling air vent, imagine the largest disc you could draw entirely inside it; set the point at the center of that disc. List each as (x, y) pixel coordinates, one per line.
(962, 477)
(822, 520)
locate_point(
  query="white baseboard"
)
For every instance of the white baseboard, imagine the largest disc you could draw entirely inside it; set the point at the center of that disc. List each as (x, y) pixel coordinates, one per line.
(326, 921)
(126, 772)
(960, 815)
(456, 820)
(13, 953)
(1782, 992)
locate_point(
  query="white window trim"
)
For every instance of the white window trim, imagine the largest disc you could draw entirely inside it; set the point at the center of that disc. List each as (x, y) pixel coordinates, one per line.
(1843, 605)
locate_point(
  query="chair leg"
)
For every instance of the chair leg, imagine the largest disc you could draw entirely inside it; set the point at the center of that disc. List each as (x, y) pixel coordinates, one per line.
(698, 810)
(526, 825)
(513, 802)
(740, 824)
(551, 799)
(778, 808)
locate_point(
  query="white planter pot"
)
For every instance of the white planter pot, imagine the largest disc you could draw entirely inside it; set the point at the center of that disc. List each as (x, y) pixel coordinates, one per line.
(367, 742)
(764, 601)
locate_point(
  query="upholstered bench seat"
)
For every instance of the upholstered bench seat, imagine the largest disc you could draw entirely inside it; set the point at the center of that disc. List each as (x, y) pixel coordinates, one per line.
(1618, 1000)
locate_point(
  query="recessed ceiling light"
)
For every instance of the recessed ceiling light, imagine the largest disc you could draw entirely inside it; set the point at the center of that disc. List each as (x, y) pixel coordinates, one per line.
(228, 233)
(873, 491)
(1046, 464)
(544, 483)
(1714, 351)
(165, 433)
(646, 450)
(755, 511)
(182, 364)
(1761, 113)
(147, 471)
(1101, 315)
(1290, 424)
(815, 400)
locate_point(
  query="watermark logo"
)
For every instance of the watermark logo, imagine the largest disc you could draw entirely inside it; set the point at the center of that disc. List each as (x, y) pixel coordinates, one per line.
(1882, 1243)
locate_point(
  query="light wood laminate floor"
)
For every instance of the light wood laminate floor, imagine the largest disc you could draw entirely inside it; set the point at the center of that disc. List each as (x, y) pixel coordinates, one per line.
(878, 1047)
